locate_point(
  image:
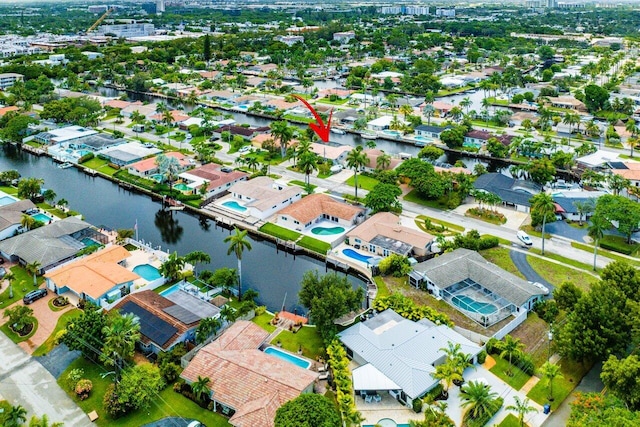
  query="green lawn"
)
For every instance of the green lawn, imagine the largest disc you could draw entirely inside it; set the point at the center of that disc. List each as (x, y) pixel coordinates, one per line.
(279, 232)
(564, 260)
(314, 244)
(15, 337)
(413, 196)
(328, 101)
(302, 184)
(572, 373)
(619, 244)
(264, 321)
(48, 345)
(609, 254)
(500, 257)
(364, 182)
(22, 284)
(383, 290)
(100, 165)
(556, 274)
(510, 421)
(434, 221)
(168, 404)
(517, 380)
(9, 190)
(307, 338)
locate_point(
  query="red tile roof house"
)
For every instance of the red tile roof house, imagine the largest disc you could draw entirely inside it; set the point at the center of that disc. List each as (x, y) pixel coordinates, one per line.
(373, 154)
(246, 133)
(246, 382)
(177, 115)
(316, 208)
(147, 167)
(476, 138)
(217, 178)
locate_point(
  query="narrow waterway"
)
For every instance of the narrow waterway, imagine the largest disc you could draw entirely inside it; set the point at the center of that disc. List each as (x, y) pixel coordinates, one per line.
(273, 274)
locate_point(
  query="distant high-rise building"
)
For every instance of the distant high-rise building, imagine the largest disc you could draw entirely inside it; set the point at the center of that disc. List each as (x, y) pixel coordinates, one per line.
(159, 6)
(552, 4)
(97, 9)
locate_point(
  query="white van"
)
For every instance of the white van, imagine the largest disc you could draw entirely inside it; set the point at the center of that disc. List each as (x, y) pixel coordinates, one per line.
(524, 238)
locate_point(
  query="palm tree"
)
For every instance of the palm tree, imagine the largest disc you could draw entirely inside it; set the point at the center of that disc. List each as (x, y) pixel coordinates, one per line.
(207, 327)
(356, 160)
(511, 347)
(447, 373)
(227, 313)
(283, 132)
(631, 127)
(307, 164)
(120, 337)
(20, 316)
(169, 167)
(478, 398)
(596, 231)
(551, 371)
(405, 110)
(197, 257)
(521, 408)
(172, 267)
(583, 209)
(466, 103)
(27, 222)
(15, 417)
(33, 268)
(238, 242)
(542, 203)
(42, 422)
(200, 387)
(383, 161)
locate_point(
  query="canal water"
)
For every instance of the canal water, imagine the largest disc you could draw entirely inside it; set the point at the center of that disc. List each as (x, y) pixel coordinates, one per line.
(275, 275)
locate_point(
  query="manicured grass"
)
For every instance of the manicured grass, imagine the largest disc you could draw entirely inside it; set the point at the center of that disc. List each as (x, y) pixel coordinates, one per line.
(100, 165)
(364, 182)
(48, 345)
(295, 118)
(413, 197)
(562, 259)
(15, 337)
(302, 184)
(500, 257)
(327, 101)
(279, 232)
(314, 244)
(556, 274)
(618, 244)
(383, 290)
(307, 337)
(533, 232)
(264, 321)
(9, 190)
(572, 373)
(510, 421)
(517, 380)
(449, 225)
(53, 307)
(487, 217)
(500, 239)
(22, 284)
(604, 252)
(167, 404)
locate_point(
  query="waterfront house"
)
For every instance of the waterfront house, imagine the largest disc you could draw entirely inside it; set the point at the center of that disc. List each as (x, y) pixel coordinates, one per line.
(177, 116)
(147, 110)
(430, 131)
(51, 245)
(379, 124)
(163, 322)
(567, 102)
(125, 154)
(372, 163)
(476, 138)
(246, 383)
(515, 193)
(600, 161)
(63, 134)
(398, 355)
(627, 170)
(11, 216)
(218, 179)
(316, 208)
(149, 166)
(567, 202)
(383, 235)
(331, 153)
(99, 278)
(465, 280)
(263, 197)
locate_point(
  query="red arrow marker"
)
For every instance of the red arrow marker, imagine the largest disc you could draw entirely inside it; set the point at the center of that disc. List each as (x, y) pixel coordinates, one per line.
(319, 128)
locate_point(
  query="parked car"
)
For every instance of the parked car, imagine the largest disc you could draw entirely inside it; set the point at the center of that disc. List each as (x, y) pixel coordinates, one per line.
(524, 238)
(34, 296)
(336, 168)
(3, 272)
(244, 149)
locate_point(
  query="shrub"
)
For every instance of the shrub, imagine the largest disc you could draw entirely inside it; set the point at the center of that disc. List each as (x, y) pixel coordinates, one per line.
(112, 404)
(395, 264)
(547, 310)
(417, 405)
(179, 385)
(488, 242)
(480, 422)
(482, 357)
(433, 394)
(525, 362)
(73, 377)
(494, 346)
(86, 158)
(83, 388)
(261, 309)
(170, 371)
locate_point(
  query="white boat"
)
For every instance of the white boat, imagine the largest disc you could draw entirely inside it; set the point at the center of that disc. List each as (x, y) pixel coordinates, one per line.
(176, 208)
(337, 131)
(65, 165)
(367, 135)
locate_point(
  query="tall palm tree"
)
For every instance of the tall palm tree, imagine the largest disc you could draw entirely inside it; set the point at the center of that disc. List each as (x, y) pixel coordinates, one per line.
(511, 347)
(238, 242)
(172, 267)
(542, 203)
(596, 231)
(120, 337)
(521, 408)
(200, 387)
(551, 371)
(27, 222)
(15, 417)
(406, 110)
(197, 257)
(466, 103)
(356, 160)
(33, 268)
(383, 161)
(227, 313)
(428, 111)
(207, 327)
(307, 164)
(284, 133)
(478, 398)
(631, 127)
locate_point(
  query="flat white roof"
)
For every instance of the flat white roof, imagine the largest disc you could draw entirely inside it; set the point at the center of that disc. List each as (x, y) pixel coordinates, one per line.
(70, 132)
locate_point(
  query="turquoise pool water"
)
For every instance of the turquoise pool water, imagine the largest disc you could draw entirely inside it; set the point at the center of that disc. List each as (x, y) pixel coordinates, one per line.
(423, 138)
(288, 357)
(158, 177)
(355, 255)
(467, 303)
(243, 107)
(147, 272)
(182, 187)
(391, 132)
(41, 217)
(327, 231)
(232, 204)
(7, 200)
(387, 422)
(89, 242)
(83, 152)
(170, 290)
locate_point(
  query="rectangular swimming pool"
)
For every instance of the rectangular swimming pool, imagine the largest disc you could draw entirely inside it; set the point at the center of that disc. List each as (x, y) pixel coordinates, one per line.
(288, 357)
(41, 217)
(7, 200)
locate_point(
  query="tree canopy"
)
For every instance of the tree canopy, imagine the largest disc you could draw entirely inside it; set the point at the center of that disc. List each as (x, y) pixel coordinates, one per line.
(308, 410)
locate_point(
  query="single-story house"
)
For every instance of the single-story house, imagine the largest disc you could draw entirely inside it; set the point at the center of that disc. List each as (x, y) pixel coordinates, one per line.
(316, 208)
(381, 123)
(149, 166)
(476, 138)
(430, 131)
(98, 278)
(247, 383)
(218, 179)
(567, 203)
(515, 193)
(372, 164)
(53, 244)
(398, 355)
(64, 134)
(125, 154)
(627, 170)
(11, 217)
(334, 154)
(383, 235)
(244, 133)
(599, 161)
(477, 288)
(147, 110)
(568, 102)
(177, 116)
(163, 323)
(263, 197)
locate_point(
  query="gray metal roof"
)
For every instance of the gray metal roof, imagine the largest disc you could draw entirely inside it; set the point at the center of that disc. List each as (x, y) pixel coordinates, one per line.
(403, 350)
(454, 267)
(193, 304)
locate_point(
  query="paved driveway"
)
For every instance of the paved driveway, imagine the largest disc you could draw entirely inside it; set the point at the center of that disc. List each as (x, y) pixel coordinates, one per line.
(58, 359)
(521, 263)
(561, 228)
(23, 381)
(170, 422)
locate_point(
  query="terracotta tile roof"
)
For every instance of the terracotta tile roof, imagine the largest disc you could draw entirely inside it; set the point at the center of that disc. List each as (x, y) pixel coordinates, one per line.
(281, 104)
(260, 412)
(95, 274)
(154, 304)
(373, 154)
(176, 114)
(150, 163)
(5, 110)
(314, 205)
(212, 173)
(329, 151)
(386, 224)
(118, 103)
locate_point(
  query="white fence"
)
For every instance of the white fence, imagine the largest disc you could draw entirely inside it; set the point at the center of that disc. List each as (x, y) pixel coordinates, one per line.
(511, 325)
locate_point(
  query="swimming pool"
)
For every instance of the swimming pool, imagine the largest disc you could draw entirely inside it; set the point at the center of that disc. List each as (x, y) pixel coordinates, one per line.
(387, 422)
(147, 272)
(422, 138)
(288, 357)
(242, 107)
(7, 200)
(41, 217)
(327, 231)
(392, 133)
(158, 177)
(89, 242)
(467, 303)
(170, 290)
(232, 204)
(182, 187)
(356, 255)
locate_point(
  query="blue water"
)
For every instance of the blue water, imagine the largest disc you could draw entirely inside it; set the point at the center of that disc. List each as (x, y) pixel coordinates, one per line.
(243, 107)
(7, 200)
(355, 255)
(83, 152)
(391, 132)
(327, 231)
(89, 242)
(288, 357)
(147, 272)
(423, 138)
(41, 217)
(232, 204)
(467, 303)
(170, 290)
